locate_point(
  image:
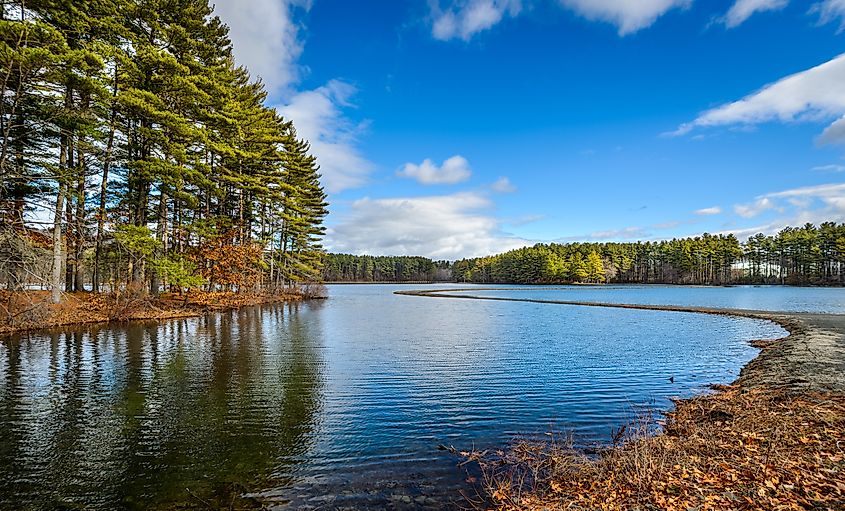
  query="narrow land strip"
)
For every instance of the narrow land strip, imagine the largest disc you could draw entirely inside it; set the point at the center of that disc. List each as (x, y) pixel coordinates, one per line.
(811, 357)
(774, 439)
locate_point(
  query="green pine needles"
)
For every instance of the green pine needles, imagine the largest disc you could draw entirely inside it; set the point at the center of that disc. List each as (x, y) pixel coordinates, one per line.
(129, 126)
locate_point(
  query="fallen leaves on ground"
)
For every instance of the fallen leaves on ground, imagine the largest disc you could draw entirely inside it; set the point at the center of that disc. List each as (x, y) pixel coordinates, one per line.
(738, 449)
(29, 310)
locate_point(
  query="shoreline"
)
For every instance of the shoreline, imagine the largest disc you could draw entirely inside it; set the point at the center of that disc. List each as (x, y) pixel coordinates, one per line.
(772, 439)
(34, 312)
(813, 350)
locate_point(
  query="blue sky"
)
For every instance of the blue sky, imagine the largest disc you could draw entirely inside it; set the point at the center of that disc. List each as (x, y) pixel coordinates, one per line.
(462, 128)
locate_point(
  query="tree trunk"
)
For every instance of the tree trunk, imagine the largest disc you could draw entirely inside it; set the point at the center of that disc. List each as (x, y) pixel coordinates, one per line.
(69, 238)
(56, 291)
(155, 278)
(101, 211)
(79, 246)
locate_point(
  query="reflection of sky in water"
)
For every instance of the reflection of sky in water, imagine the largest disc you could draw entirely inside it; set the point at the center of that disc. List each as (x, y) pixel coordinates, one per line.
(339, 392)
(772, 298)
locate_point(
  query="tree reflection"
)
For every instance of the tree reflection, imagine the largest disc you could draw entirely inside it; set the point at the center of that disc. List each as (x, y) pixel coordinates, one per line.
(183, 413)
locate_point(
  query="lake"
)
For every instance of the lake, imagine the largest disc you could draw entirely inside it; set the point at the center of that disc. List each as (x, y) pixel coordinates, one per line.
(767, 298)
(344, 401)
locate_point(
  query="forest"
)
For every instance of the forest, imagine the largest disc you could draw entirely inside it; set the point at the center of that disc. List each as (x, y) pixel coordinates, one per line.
(136, 155)
(807, 255)
(354, 268)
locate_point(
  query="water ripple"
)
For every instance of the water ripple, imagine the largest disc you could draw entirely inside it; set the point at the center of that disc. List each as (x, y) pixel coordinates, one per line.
(343, 401)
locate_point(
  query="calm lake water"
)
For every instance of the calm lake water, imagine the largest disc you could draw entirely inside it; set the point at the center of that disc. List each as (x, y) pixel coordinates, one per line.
(768, 298)
(344, 401)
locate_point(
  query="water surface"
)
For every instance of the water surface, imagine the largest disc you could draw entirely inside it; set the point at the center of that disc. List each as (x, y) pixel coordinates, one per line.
(335, 402)
(767, 298)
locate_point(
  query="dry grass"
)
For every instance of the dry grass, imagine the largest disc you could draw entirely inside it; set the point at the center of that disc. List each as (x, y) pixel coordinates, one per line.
(30, 310)
(737, 449)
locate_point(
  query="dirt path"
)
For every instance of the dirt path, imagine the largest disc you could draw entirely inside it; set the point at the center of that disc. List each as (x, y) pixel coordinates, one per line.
(810, 358)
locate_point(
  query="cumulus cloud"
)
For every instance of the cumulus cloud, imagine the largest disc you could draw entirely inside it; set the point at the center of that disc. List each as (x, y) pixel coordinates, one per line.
(503, 185)
(441, 227)
(454, 170)
(741, 10)
(318, 116)
(265, 39)
(829, 11)
(715, 210)
(815, 95)
(628, 16)
(466, 18)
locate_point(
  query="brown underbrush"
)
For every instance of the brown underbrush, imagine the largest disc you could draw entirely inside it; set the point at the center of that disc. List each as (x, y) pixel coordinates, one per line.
(740, 448)
(30, 310)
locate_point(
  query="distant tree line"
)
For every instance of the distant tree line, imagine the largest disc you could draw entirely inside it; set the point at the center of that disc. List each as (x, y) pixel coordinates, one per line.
(135, 154)
(807, 255)
(354, 268)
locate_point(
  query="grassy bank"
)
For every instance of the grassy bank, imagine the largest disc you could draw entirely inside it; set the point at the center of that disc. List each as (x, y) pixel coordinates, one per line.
(32, 310)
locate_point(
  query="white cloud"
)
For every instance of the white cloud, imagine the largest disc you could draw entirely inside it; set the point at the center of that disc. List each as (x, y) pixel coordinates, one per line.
(715, 210)
(629, 16)
(835, 133)
(454, 170)
(440, 227)
(809, 203)
(318, 117)
(744, 9)
(503, 185)
(829, 11)
(466, 18)
(265, 39)
(826, 191)
(792, 207)
(816, 95)
(798, 206)
(829, 168)
(626, 233)
(755, 208)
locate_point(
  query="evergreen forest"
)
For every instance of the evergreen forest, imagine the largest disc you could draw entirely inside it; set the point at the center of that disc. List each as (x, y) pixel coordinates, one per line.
(136, 155)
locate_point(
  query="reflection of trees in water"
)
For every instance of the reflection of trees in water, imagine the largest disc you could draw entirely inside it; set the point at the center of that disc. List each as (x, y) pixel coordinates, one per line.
(135, 415)
(11, 437)
(301, 380)
(52, 420)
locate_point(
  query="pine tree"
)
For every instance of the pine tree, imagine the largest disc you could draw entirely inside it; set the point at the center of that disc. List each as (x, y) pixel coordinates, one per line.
(595, 267)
